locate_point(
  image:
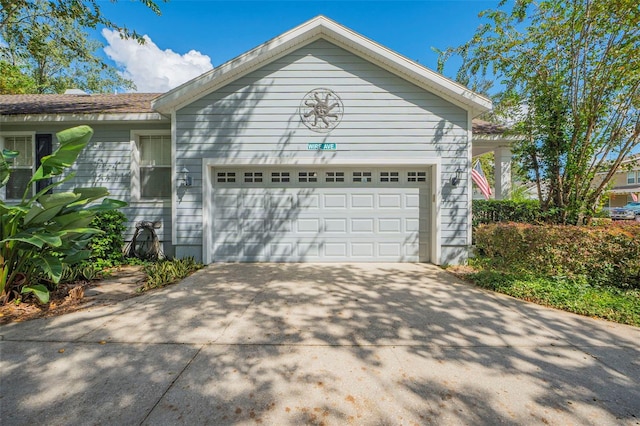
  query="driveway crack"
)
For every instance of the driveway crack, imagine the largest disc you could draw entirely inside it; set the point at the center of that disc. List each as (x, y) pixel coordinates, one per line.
(171, 384)
(249, 305)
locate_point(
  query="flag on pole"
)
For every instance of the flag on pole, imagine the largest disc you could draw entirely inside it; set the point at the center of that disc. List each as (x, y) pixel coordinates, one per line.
(479, 178)
(634, 197)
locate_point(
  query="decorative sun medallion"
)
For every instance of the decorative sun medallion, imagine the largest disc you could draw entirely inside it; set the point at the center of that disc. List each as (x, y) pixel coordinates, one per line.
(321, 110)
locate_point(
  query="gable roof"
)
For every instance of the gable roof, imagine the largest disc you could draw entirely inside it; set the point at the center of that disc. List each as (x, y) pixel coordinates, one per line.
(326, 29)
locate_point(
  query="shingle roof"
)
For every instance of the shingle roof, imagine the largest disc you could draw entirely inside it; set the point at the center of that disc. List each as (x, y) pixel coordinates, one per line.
(77, 104)
(123, 103)
(487, 128)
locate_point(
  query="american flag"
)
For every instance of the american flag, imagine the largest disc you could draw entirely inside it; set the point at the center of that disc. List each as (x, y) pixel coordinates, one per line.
(634, 197)
(478, 177)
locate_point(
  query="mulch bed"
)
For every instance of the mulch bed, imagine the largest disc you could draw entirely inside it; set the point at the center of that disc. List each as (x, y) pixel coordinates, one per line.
(62, 300)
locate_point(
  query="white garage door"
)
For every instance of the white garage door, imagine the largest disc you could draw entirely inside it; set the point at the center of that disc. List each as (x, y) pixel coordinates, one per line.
(295, 215)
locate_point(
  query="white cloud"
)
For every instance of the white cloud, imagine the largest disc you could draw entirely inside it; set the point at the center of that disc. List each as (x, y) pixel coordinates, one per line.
(153, 69)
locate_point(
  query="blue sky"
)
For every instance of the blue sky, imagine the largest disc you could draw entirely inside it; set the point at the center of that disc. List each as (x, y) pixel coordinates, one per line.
(191, 36)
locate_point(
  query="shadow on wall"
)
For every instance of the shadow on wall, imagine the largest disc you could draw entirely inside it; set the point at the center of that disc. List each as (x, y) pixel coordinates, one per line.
(379, 341)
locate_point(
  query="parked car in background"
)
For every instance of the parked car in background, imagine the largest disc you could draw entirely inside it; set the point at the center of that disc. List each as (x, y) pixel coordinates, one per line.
(630, 211)
(634, 206)
(620, 213)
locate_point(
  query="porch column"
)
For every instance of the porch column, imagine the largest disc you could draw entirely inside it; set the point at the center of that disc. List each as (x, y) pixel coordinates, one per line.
(502, 172)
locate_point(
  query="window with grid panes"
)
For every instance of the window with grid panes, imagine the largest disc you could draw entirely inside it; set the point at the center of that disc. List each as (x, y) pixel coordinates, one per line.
(21, 166)
(253, 177)
(389, 176)
(416, 176)
(155, 166)
(334, 177)
(306, 177)
(362, 176)
(225, 177)
(280, 177)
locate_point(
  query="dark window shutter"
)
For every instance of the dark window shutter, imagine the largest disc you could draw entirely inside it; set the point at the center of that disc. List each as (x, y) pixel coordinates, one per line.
(44, 147)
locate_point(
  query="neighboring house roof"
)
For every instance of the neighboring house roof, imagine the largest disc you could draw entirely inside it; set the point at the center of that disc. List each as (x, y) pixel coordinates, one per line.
(625, 189)
(309, 32)
(123, 103)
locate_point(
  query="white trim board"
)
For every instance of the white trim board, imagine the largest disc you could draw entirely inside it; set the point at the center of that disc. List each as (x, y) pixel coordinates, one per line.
(310, 31)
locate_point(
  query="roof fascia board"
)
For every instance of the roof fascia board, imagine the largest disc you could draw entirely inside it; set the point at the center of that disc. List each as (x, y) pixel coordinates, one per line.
(72, 118)
(236, 68)
(406, 68)
(321, 27)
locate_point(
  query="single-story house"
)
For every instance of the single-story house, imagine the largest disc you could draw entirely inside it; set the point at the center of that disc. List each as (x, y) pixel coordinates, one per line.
(318, 145)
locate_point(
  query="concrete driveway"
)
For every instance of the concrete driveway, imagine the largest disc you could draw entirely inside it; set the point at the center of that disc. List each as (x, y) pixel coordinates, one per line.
(289, 344)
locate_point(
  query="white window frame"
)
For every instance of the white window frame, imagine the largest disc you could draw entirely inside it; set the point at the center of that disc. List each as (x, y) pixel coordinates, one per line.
(136, 186)
(631, 177)
(3, 192)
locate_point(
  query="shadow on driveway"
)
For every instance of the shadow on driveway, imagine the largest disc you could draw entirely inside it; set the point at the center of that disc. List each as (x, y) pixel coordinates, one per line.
(320, 344)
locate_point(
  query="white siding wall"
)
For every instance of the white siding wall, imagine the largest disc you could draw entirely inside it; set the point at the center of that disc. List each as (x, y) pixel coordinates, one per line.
(256, 118)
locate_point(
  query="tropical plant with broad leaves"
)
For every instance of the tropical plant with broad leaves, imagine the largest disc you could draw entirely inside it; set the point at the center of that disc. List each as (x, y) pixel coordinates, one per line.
(43, 232)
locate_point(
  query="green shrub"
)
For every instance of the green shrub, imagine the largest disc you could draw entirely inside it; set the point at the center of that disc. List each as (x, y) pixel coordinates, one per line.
(106, 248)
(492, 211)
(602, 254)
(166, 272)
(82, 272)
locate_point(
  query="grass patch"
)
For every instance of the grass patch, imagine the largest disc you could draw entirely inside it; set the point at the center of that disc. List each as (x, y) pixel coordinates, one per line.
(166, 272)
(572, 295)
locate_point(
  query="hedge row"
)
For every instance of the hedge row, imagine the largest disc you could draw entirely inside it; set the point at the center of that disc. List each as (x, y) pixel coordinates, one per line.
(492, 211)
(602, 254)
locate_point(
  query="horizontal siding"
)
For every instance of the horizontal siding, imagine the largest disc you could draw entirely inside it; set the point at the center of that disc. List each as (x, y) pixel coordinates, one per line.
(106, 162)
(256, 118)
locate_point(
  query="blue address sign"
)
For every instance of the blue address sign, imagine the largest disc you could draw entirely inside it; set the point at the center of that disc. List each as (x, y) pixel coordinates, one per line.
(322, 146)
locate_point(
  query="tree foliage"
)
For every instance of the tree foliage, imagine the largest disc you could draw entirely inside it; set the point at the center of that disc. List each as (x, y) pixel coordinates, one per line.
(13, 81)
(570, 75)
(47, 42)
(86, 13)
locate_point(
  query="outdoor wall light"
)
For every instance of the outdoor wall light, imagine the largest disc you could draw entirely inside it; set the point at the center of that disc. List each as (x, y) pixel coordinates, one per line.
(456, 179)
(185, 178)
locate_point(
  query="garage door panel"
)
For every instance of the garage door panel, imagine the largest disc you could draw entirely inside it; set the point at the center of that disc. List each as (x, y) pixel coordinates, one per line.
(412, 201)
(365, 222)
(227, 225)
(335, 201)
(362, 201)
(364, 225)
(335, 249)
(365, 250)
(308, 251)
(225, 250)
(309, 201)
(253, 201)
(390, 250)
(311, 225)
(389, 201)
(253, 227)
(281, 250)
(281, 225)
(226, 201)
(335, 226)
